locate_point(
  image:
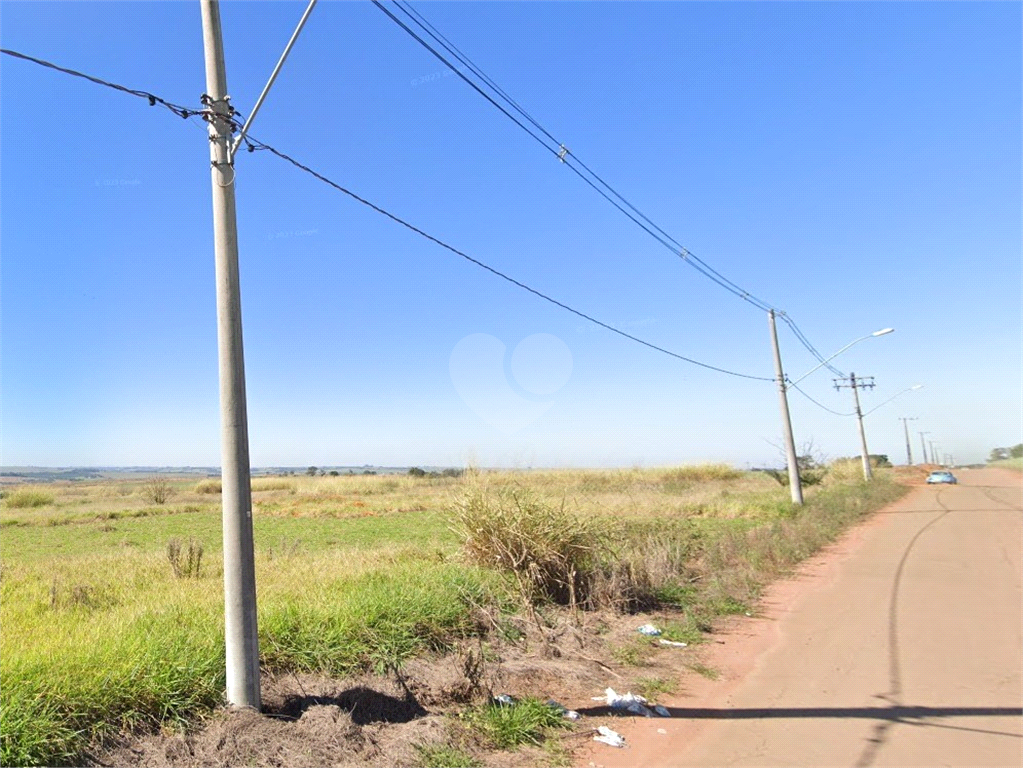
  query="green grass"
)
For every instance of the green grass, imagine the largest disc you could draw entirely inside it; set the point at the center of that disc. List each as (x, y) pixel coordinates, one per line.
(689, 629)
(633, 653)
(148, 531)
(702, 669)
(528, 721)
(652, 687)
(444, 756)
(145, 647)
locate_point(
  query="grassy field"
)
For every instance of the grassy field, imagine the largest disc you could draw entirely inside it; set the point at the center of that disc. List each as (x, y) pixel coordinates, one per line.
(101, 630)
(1015, 464)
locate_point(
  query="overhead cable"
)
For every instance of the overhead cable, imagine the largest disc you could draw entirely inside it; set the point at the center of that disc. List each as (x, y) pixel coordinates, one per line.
(790, 385)
(253, 145)
(397, 219)
(153, 99)
(571, 160)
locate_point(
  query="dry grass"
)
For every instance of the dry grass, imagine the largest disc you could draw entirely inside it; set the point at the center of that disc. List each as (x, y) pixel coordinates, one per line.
(551, 551)
(210, 485)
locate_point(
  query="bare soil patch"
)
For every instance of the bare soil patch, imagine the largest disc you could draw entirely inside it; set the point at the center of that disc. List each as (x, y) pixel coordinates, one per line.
(370, 720)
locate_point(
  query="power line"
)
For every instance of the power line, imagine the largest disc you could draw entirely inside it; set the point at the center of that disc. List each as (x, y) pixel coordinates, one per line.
(253, 144)
(408, 10)
(152, 98)
(454, 69)
(397, 219)
(806, 343)
(568, 158)
(790, 385)
(562, 152)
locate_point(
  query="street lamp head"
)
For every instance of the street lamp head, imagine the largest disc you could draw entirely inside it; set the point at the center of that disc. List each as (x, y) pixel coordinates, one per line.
(882, 332)
(917, 386)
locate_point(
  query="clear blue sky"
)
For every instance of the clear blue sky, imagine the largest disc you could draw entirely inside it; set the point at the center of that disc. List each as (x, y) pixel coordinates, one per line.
(856, 164)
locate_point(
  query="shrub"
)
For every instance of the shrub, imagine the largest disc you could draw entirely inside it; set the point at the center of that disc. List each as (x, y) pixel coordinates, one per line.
(814, 476)
(27, 497)
(551, 552)
(157, 490)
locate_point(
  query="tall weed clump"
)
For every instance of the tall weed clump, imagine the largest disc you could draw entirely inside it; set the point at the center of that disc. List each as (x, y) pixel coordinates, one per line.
(27, 497)
(841, 471)
(210, 485)
(550, 551)
(647, 567)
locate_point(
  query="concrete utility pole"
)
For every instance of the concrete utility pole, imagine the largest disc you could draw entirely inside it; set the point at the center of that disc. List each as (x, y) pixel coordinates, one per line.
(857, 384)
(241, 635)
(795, 484)
(923, 445)
(905, 426)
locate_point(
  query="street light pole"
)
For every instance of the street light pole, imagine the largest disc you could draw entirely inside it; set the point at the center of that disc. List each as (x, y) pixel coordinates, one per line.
(867, 473)
(905, 426)
(795, 484)
(923, 445)
(241, 632)
(856, 384)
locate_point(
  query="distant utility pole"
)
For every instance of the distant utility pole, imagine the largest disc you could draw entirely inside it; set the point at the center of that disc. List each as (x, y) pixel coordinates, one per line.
(856, 385)
(923, 446)
(795, 485)
(905, 426)
(934, 453)
(241, 633)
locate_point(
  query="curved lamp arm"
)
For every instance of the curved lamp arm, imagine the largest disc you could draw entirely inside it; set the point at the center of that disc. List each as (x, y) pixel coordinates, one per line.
(882, 332)
(908, 389)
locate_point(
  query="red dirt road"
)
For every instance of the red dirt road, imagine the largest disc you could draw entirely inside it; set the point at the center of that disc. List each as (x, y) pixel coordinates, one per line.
(901, 645)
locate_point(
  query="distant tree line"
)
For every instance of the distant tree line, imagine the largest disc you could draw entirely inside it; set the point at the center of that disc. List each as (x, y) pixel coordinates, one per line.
(450, 472)
(1000, 454)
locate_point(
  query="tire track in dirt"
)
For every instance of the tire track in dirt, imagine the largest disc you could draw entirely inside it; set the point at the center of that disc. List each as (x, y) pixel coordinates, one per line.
(894, 693)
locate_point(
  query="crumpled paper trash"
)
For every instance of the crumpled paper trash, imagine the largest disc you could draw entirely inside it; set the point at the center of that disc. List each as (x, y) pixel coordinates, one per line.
(606, 736)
